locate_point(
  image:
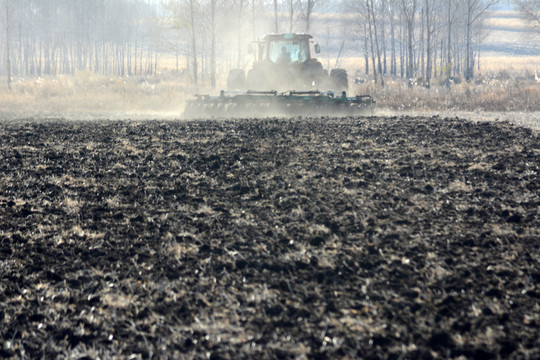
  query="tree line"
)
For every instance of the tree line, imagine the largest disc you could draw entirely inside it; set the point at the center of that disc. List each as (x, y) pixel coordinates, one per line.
(421, 39)
(412, 39)
(51, 37)
(531, 11)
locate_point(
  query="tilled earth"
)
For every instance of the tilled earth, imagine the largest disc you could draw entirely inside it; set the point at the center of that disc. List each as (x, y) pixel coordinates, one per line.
(395, 237)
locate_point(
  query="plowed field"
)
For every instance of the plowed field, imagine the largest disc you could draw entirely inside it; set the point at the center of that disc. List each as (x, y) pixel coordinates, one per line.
(397, 237)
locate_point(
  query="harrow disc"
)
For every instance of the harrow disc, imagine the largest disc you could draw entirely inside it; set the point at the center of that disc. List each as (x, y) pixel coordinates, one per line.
(271, 103)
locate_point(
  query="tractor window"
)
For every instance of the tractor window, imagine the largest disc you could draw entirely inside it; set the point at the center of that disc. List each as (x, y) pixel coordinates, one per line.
(285, 51)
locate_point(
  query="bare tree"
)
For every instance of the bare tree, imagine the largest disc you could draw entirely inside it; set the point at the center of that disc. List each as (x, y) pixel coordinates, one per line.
(408, 8)
(8, 52)
(393, 60)
(475, 11)
(431, 8)
(239, 10)
(375, 32)
(213, 4)
(276, 16)
(183, 16)
(309, 8)
(291, 15)
(384, 14)
(531, 11)
(451, 16)
(362, 27)
(193, 39)
(369, 20)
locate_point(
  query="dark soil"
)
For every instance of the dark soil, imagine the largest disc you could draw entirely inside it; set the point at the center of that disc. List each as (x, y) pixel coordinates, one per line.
(319, 238)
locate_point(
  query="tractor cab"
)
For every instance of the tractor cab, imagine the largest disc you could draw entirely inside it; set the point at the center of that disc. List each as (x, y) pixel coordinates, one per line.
(286, 48)
(284, 62)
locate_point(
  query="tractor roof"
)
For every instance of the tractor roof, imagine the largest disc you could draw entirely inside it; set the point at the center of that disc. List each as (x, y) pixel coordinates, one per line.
(287, 36)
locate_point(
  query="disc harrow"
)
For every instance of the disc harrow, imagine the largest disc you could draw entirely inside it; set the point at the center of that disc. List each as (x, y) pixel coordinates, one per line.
(272, 103)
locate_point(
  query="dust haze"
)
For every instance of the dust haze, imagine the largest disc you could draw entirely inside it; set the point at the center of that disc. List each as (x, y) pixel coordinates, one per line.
(269, 179)
(147, 58)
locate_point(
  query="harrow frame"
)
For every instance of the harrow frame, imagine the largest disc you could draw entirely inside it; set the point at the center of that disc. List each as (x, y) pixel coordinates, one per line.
(272, 103)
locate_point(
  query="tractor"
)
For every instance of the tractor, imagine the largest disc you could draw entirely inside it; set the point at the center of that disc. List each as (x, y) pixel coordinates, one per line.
(284, 81)
(284, 62)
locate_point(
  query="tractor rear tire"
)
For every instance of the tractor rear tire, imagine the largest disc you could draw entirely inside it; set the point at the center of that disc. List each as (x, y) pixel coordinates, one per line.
(315, 77)
(257, 80)
(236, 80)
(339, 80)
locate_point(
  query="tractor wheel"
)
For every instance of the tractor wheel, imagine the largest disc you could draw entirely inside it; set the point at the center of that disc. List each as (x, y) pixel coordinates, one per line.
(236, 80)
(322, 82)
(338, 78)
(256, 80)
(316, 76)
(251, 80)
